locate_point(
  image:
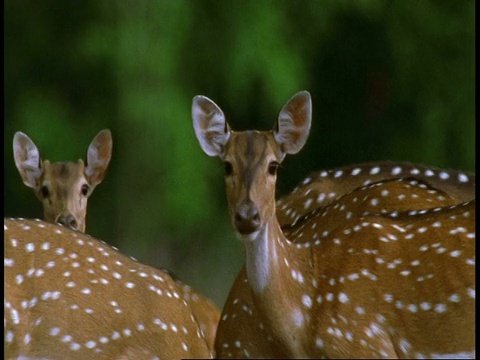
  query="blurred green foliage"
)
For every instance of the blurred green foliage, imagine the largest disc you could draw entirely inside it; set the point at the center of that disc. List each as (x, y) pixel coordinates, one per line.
(389, 80)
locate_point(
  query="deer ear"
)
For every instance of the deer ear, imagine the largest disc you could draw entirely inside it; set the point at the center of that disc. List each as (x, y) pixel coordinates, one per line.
(98, 157)
(293, 126)
(27, 159)
(210, 127)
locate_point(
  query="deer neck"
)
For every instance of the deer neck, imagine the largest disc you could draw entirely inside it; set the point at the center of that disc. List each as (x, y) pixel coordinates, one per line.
(261, 258)
(279, 289)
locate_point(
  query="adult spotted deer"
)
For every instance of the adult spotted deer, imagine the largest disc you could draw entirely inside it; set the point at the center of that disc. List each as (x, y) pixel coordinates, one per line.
(323, 187)
(386, 270)
(63, 187)
(70, 296)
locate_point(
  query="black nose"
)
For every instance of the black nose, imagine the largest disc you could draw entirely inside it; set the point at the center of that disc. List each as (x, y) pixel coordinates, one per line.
(68, 220)
(247, 218)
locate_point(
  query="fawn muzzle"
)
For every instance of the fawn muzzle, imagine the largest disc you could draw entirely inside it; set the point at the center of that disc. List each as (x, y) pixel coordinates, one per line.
(67, 220)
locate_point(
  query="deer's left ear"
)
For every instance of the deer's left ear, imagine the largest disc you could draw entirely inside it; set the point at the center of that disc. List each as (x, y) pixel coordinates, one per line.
(293, 126)
(210, 126)
(98, 157)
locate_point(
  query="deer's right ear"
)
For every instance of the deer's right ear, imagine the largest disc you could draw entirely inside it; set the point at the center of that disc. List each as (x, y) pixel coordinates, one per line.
(211, 129)
(27, 159)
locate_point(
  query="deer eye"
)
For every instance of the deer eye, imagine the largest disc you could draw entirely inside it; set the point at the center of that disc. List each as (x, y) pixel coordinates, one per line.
(228, 168)
(44, 192)
(85, 189)
(272, 168)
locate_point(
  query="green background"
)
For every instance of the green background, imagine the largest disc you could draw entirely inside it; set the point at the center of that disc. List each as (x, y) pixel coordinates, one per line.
(389, 80)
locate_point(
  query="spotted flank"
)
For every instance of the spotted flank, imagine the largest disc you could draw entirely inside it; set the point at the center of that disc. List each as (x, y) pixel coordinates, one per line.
(68, 293)
(323, 187)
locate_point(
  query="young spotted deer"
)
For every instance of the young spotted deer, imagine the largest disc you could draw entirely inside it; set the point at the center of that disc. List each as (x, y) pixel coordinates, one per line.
(323, 187)
(70, 296)
(386, 270)
(63, 187)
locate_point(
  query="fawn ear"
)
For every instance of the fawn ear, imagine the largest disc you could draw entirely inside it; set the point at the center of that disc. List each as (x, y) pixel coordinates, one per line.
(293, 126)
(210, 127)
(27, 159)
(98, 157)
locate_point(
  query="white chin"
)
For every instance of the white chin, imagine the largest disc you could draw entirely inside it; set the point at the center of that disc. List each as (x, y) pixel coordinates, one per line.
(248, 237)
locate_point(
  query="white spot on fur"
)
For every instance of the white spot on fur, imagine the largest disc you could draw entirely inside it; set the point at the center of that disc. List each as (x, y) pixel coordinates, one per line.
(343, 298)
(462, 178)
(298, 317)
(307, 301)
(440, 308)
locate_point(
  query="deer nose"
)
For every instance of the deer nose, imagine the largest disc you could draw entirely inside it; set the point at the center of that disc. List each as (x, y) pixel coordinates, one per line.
(247, 218)
(68, 220)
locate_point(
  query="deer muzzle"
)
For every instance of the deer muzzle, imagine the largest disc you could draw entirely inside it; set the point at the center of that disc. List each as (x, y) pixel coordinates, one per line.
(247, 218)
(67, 220)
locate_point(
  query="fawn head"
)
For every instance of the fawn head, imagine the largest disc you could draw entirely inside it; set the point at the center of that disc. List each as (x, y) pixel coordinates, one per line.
(63, 187)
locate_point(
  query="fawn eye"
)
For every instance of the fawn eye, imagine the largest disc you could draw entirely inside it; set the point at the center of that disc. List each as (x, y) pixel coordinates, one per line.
(85, 189)
(272, 168)
(228, 168)
(44, 191)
